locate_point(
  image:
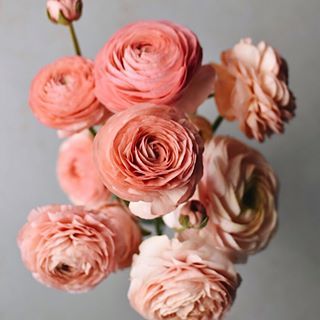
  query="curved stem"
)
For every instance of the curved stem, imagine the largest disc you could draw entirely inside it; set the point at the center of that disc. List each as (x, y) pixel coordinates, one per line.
(216, 124)
(74, 40)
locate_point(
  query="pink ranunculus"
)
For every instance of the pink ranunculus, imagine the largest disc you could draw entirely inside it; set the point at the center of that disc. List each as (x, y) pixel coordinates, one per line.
(182, 281)
(62, 95)
(239, 190)
(127, 233)
(64, 11)
(146, 62)
(151, 155)
(74, 249)
(77, 172)
(252, 87)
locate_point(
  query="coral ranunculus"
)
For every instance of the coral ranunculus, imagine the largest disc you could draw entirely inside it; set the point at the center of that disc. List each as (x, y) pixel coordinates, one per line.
(146, 62)
(77, 172)
(252, 87)
(150, 155)
(62, 95)
(73, 249)
(239, 190)
(182, 281)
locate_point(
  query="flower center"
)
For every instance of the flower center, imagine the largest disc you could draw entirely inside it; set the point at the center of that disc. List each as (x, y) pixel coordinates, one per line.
(250, 198)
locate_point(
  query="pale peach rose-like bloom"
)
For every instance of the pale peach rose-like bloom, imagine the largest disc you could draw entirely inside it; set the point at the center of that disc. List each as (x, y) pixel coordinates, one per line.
(181, 280)
(62, 95)
(252, 87)
(64, 11)
(77, 172)
(239, 191)
(146, 62)
(150, 155)
(74, 249)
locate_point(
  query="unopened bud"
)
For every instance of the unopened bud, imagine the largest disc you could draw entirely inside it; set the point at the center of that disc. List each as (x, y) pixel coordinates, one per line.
(64, 11)
(193, 215)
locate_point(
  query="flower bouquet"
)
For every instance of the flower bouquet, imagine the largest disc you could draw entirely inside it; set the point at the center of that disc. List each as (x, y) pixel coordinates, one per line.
(137, 158)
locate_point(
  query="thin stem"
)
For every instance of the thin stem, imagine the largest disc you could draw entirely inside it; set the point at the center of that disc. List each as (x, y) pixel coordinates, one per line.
(217, 123)
(159, 226)
(74, 40)
(211, 95)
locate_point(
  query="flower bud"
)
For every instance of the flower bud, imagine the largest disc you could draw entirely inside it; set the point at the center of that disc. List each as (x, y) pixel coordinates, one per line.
(193, 215)
(64, 11)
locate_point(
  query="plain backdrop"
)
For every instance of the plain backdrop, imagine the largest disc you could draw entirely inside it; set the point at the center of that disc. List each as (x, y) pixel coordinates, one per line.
(281, 283)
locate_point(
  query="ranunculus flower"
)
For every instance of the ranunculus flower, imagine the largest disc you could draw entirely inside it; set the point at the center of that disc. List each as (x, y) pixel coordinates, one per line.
(64, 11)
(151, 155)
(182, 281)
(73, 249)
(62, 95)
(252, 87)
(239, 190)
(147, 61)
(77, 172)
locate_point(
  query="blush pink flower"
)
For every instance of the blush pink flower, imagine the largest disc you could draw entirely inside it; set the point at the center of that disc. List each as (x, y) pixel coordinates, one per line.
(252, 87)
(77, 173)
(62, 95)
(73, 249)
(182, 281)
(151, 155)
(239, 190)
(147, 61)
(64, 11)
(127, 233)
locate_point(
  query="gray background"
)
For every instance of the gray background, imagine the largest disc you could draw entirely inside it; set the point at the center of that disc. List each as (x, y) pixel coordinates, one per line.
(280, 283)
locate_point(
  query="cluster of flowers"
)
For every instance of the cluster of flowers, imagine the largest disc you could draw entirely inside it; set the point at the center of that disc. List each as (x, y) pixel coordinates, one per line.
(153, 158)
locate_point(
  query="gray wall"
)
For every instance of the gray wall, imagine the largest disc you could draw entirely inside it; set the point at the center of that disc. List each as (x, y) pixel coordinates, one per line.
(280, 283)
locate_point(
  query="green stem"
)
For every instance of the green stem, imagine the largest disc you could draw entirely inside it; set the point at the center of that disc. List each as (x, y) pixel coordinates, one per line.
(159, 226)
(217, 123)
(74, 40)
(211, 96)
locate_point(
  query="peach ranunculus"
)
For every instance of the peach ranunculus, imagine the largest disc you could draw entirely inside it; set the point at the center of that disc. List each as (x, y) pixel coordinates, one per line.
(62, 95)
(239, 190)
(73, 249)
(77, 172)
(151, 155)
(181, 280)
(64, 11)
(252, 87)
(146, 62)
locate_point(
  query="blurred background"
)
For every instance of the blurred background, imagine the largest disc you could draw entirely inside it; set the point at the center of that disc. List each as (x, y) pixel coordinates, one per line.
(280, 283)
